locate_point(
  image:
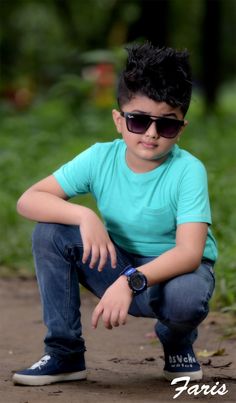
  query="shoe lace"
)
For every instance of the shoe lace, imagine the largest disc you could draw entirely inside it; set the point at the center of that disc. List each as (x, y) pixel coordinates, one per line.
(43, 361)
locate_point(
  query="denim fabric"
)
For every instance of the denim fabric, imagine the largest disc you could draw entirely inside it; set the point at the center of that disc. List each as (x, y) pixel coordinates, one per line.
(179, 304)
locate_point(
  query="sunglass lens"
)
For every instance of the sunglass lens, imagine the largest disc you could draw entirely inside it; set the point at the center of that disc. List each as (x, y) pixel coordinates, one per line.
(168, 128)
(138, 123)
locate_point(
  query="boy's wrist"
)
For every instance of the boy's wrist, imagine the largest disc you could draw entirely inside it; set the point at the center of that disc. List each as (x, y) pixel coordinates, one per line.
(123, 281)
(84, 213)
(136, 280)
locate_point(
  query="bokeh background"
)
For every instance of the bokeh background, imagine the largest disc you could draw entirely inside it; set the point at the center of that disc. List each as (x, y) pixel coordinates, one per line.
(59, 65)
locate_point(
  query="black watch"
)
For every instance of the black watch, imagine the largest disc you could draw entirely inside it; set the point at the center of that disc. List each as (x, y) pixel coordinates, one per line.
(137, 281)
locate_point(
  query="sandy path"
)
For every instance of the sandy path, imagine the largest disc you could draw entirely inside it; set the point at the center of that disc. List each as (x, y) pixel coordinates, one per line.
(123, 365)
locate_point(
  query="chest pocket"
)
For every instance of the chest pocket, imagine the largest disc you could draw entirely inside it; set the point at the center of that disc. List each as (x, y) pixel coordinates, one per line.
(159, 223)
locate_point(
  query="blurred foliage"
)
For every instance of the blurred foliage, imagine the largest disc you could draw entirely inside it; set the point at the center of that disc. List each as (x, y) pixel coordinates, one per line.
(186, 18)
(43, 40)
(35, 142)
(59, 60)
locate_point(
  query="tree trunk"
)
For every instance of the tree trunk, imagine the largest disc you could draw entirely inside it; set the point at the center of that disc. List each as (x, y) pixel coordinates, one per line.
(211, 45)
(152, 24)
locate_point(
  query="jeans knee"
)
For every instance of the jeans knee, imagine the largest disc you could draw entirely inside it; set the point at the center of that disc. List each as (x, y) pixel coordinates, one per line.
(43, 236)
(191, 314)
(187, 307)
(48, 236)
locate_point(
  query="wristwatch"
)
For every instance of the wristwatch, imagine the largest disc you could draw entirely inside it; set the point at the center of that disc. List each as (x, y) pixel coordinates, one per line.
(137, 281)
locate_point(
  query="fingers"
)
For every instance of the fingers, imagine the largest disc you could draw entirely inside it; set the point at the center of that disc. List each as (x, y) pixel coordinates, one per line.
(96, 315)
(111, 318)
(99, 254)
(112, 252)
(114, 318)
(86, 253)
(123, 317)
(114, 305)
(94, 256)
(103, 258)
(106, 318)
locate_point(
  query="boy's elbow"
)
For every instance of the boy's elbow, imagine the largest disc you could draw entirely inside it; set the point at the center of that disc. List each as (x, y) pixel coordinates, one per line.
(20, 205)
(196, 263)
(195, 260)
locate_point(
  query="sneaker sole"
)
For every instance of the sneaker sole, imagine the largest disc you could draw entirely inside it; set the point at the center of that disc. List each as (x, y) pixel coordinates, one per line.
(31, 380)
(194, 376)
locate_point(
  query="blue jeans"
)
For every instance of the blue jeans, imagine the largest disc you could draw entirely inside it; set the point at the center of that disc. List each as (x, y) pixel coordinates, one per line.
(179, 304)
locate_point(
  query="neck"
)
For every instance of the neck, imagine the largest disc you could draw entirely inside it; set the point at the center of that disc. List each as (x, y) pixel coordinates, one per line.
(142, 166)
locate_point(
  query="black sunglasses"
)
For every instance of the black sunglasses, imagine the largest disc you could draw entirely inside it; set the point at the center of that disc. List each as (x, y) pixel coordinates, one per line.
(139, 123)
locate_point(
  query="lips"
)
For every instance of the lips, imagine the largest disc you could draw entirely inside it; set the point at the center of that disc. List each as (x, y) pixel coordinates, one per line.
(148, 145)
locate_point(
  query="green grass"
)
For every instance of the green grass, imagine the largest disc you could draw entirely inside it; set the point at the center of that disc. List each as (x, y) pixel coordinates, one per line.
(34, 143)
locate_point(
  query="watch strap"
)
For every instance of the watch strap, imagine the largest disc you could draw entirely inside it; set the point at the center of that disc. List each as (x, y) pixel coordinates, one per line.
(128, 271)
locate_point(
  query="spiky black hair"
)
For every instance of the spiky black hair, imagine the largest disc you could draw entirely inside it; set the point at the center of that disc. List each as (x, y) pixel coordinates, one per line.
(162, 74)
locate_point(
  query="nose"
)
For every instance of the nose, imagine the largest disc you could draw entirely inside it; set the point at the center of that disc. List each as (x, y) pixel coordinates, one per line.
(152, 132)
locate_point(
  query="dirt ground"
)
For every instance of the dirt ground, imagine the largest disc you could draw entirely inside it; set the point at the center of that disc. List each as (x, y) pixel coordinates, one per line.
(124, 364)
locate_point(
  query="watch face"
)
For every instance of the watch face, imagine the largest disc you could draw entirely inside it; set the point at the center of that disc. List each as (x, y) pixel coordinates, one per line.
(137, 282)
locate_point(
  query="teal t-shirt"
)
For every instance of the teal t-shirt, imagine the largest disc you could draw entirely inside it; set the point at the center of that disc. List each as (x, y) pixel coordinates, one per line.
(141, 211)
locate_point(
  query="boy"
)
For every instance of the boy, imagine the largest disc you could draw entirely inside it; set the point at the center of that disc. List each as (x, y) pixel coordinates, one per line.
(154, 254)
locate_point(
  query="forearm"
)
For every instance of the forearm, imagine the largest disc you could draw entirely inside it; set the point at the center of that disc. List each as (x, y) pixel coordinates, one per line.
(171, 264)
(46, 207)
(46, 201)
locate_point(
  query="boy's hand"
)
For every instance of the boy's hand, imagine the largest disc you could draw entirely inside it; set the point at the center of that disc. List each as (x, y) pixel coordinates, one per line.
(114, 305)
(96, 241)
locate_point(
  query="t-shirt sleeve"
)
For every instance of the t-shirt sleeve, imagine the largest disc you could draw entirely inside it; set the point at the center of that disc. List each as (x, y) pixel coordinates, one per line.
(193, 201)
(74, 177)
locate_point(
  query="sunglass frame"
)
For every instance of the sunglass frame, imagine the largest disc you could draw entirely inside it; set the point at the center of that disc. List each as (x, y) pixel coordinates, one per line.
(128, 116)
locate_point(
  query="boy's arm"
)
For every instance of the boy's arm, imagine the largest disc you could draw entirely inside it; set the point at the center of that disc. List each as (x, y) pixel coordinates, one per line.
(185, 257)
(46, 202)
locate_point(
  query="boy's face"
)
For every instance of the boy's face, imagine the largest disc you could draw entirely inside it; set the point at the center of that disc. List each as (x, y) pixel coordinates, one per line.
(148, 150)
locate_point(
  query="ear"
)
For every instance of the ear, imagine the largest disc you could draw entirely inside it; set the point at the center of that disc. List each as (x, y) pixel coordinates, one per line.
(117, 119)
(182, 130)
(185, 123)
